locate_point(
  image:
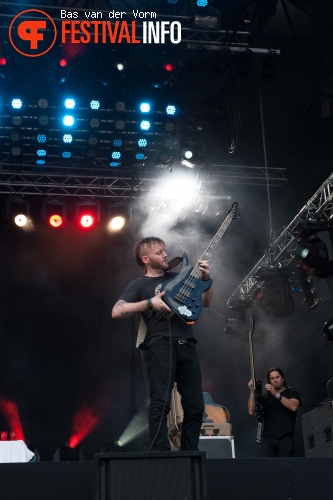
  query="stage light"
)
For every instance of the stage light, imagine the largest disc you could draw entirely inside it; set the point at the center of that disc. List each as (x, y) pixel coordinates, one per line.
(43, 120)
(117, 143)
(187, 154)
(54, 212)
(67, 138)
(94, 123)
(116, 155)
(328, 329)
(114, 164)
(21, 220)
(312, 254)
(94, 104)
(17, 120)
(118, 217)
(3, 61)
(63, 62)
(202, 3)
(92, 140)
(145, 125)
(169, 66)
(40, 162)
(120, 124)
(120, 106)
(121, 66)
(69, 103)
(66, 154)
(17, 103)
(67, 454)
(170, 109)
(41, 152)
(145, 107)
(142, 143)
(41, 138)
(43, 103)
(164, 161)
(275, 296)
(139, 156)
(68, 120)
(16, 151)
(87, 214)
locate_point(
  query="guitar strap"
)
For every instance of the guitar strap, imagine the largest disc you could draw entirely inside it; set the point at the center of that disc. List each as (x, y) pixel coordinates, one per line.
(142, 325)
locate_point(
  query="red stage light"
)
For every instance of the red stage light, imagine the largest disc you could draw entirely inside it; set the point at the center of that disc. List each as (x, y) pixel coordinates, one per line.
(84, 422)
(3, 61)
(87, 221)
(169, 67)
(63, 62)
(55, 220)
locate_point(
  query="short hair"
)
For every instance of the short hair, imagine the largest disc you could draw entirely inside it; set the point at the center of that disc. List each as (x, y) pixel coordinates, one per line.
(275, 369)
(141, 247)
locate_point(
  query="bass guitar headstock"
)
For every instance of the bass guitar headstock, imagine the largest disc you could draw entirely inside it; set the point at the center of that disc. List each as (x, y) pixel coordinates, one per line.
(233, 210)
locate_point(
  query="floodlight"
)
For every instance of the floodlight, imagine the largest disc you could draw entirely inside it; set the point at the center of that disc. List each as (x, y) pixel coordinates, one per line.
(118, 217)
(145, 107)
(145, 125)
(94, 104)
(68, 120)
(69, 103)
(87, 214)
(54, 212)
(17, 103)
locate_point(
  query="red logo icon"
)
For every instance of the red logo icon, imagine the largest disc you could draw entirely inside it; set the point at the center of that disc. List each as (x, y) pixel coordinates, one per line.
(32, 37)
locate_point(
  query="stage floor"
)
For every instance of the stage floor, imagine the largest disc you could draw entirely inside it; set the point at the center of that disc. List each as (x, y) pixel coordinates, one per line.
(230, 479)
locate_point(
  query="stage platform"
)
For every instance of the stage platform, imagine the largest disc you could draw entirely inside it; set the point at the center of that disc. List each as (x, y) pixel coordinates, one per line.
(232, 479)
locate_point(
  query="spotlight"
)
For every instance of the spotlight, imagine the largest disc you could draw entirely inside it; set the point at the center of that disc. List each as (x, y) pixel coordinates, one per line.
(63, 62)
(69, 103)
(145, 107)
(55, 212)
(3, 61)
(312, 254)
(328, 329)
(67, 454)
(87, 214)
(94, 104)
(68, 120)
(17, 103)
(18, 210)
(145, 125)
(275, 295)
(119, 216)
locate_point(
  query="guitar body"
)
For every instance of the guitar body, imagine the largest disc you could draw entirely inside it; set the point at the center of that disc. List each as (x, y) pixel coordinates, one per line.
(215, 413)
(183, 293)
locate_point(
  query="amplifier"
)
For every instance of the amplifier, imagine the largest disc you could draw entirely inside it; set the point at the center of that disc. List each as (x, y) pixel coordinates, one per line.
(317, 426)
(217, 446)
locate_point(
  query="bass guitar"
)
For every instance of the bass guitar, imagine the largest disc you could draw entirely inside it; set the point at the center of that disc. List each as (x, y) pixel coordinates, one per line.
(183, 292)
(257, 386)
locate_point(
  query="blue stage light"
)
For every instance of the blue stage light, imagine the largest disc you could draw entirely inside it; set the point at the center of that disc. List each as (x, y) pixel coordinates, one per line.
(67, 138)
(145, 125)
(114, 164)
(117, 143)
(142, 143)
(17, 103)
(145, 107)
(95, 104)
(40, 162)
(68, 120)
(116, 155)
(139, 156)
(170, 109)
(66, 154)
(41, 152)
(41, 138)
(69, 103)
(202, 3)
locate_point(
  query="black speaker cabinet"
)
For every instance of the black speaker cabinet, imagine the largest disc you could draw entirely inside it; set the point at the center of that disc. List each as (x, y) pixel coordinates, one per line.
(317, 428)
(150, 476)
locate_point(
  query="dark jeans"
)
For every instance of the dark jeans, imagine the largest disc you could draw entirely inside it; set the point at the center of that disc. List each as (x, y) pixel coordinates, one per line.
(271, 447)
(166, 364)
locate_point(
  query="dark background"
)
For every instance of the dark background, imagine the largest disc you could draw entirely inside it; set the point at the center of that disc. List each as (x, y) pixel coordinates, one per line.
(64, 362)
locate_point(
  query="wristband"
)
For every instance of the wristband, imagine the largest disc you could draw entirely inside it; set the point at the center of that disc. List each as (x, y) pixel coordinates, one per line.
(149, 304)
(278, 396)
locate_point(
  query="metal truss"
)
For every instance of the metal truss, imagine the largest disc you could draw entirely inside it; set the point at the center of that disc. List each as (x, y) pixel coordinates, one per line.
(281, 251)
(99, 182)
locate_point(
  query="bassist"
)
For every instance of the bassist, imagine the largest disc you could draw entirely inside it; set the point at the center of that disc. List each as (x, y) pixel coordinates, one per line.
(170, 343)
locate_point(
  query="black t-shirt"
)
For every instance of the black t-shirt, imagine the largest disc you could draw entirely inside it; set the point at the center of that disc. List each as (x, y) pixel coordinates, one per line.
(159, 324)
(279, 421)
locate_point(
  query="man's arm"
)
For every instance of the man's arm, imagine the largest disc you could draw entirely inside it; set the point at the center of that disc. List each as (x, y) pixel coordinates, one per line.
(251, 401)
(292, 404)
(123, 309)
(207, 296)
